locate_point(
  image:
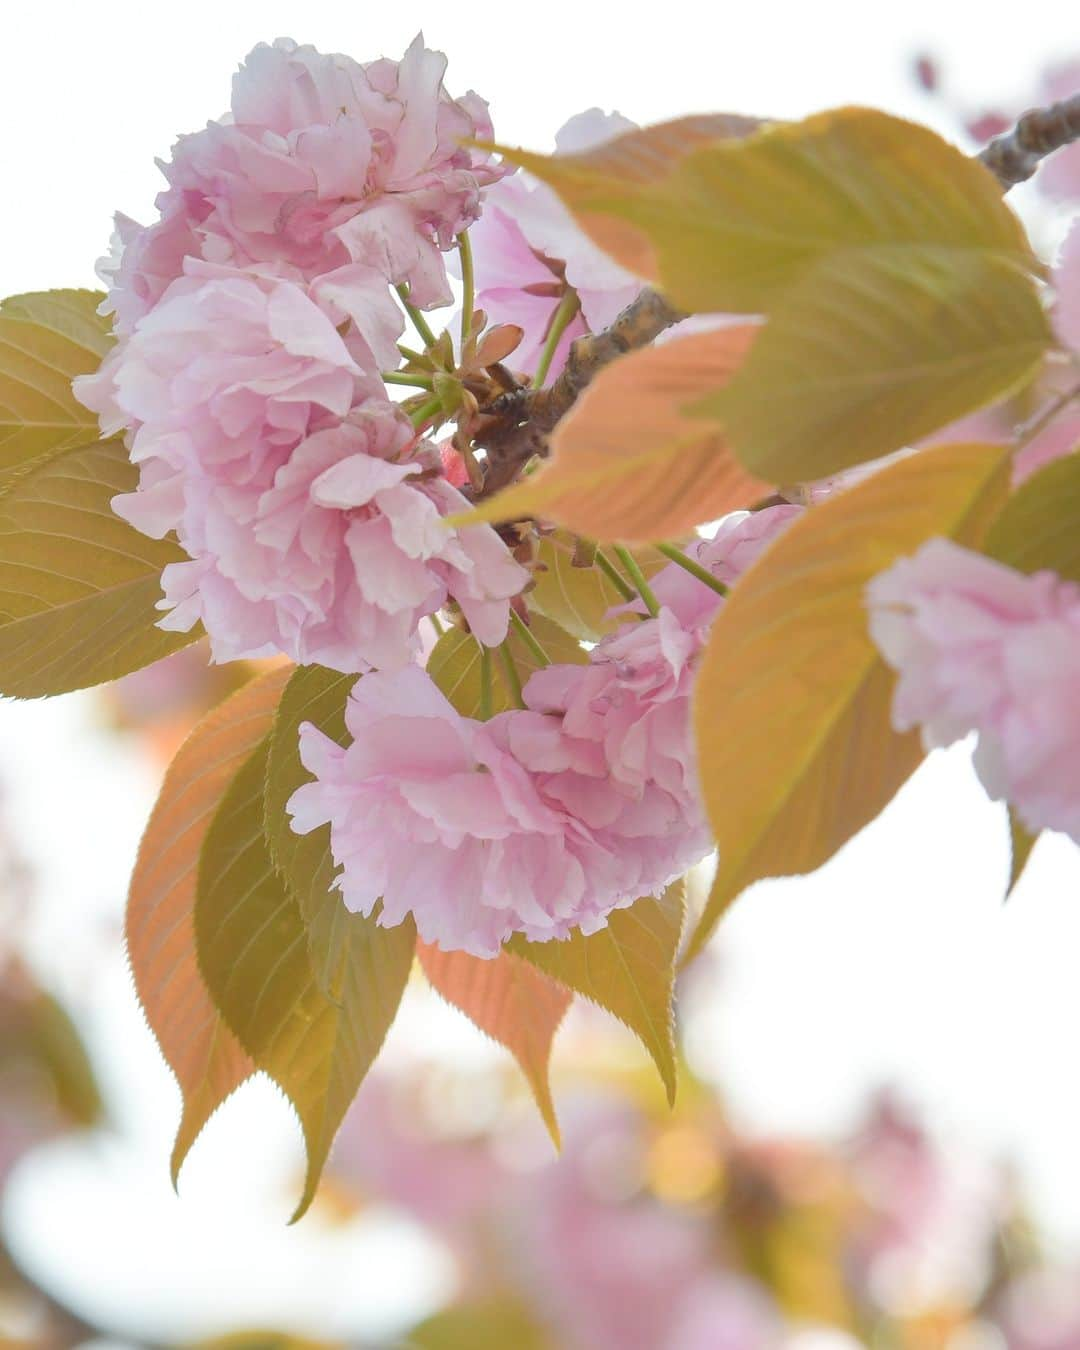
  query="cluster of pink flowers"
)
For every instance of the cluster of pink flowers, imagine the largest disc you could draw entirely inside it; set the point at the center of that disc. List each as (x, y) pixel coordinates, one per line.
(982, 648)
(545, 818)
(255, 318)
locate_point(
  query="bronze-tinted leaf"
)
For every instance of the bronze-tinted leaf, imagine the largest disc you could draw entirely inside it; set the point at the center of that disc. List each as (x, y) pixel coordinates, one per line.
(509, 1001)
(629, 462)
(200, 1049)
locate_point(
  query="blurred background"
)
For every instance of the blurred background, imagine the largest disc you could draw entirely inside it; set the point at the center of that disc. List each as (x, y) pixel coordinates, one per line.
(876, 1137)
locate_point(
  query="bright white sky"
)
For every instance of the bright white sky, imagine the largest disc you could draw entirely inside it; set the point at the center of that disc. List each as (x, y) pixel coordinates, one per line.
(896, 963)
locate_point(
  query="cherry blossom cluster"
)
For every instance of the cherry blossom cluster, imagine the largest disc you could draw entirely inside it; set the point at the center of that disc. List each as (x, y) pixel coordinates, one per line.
(543, 819)
(255, 316)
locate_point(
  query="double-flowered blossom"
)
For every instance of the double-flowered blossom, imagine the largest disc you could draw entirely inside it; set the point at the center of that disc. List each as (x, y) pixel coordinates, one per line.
(255, 318)
(543, 819)
(311, 515)
(982, 648)
(432, 814)
(321, 163)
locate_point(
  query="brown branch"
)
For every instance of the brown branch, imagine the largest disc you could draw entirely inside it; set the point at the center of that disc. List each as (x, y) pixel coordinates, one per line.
(515, 426)
(1014, 157)
(523, 418)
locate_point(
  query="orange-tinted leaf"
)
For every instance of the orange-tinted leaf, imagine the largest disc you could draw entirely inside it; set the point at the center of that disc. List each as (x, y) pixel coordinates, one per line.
(512, 1003)
(629, 462)
(199, 1048)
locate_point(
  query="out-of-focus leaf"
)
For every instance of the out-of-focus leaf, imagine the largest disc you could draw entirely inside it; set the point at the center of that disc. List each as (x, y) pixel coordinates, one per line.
(78, 585)
(46, 339)
(629, 462)
(511, 1002)
(456, 664)
(792, 709)
(495, 1324)
(253, 954)
(628, 968)
(579, 599)
(870, 352)
(314, 695)
(737, 222)
(198, 1046)
(1021, 842)
(61, 1051)
(1039, 526)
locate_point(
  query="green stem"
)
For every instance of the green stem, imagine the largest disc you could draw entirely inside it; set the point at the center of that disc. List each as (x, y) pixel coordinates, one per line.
(413, 381)
(695, 569)
(529, 638)
(418, 320)
(468, 282)
(636, 575)
(425, 412)
(513, 679)
(407, 352)
(486, 700)
(436, 623)
(613, 575)
(564, 314)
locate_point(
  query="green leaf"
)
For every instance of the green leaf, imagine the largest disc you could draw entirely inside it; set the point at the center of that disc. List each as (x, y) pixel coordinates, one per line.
(71, 314)
(46, 339)
(253, 953)
(78, 586)
(792, 706)
(737, 222)
(579, 599)
(304, 861)
(1021, 842)
(872, 351)
(455, 664)
(1039, 526)
(627, 968)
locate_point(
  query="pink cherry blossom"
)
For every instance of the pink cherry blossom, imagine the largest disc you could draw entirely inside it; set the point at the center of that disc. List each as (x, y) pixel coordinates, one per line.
(321, 164)
(432, 813)
(528, 248)
(311, 518)
(980, 647)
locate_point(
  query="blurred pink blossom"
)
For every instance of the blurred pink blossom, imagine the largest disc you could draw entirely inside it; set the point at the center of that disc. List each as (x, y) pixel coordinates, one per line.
(980, 647)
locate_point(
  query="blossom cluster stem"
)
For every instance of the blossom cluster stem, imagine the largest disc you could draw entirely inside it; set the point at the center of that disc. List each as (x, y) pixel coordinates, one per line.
(529, 638)
(688, 564)
(613, 575)
(468, 282)
(510, 670)
(418, 321)
(637, 576)
(486, 698)
(425, 412)
(410, 381)
(563, 317)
